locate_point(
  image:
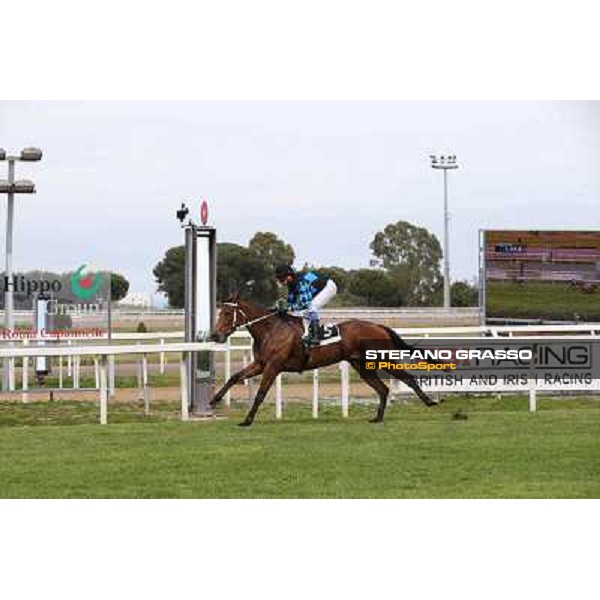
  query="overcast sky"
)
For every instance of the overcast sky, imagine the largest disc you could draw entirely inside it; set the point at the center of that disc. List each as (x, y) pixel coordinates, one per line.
(325, 176)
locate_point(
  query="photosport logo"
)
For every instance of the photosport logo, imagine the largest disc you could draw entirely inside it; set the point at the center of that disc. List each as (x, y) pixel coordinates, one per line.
(85, 283)
(490, 361)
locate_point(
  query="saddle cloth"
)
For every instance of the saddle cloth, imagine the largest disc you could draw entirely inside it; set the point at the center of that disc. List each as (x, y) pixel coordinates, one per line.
(329, 333)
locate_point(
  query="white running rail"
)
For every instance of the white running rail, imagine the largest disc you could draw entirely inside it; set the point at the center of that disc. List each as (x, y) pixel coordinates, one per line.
(156, 343)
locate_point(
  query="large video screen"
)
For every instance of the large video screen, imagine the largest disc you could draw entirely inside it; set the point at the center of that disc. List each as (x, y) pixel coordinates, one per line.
(546, 275)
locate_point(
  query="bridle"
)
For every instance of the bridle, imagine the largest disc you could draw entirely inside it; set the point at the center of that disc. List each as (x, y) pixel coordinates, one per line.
(237, 307)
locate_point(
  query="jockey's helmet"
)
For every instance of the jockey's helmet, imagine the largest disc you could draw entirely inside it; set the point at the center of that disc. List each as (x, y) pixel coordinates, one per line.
(283, 271)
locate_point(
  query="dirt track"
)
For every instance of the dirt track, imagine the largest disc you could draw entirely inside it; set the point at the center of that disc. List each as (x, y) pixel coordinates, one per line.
(330, 391)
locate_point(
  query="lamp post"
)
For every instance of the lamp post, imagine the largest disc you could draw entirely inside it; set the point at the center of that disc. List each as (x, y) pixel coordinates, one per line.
(12, 187)
(445, 162)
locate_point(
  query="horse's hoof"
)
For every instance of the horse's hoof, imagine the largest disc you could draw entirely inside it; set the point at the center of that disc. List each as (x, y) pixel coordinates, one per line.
(245, 424)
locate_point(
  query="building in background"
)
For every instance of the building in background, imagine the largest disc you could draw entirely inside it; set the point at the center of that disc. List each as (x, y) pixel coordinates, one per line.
(137, 300)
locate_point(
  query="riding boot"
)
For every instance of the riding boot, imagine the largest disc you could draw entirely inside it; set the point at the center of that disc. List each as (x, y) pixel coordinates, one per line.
(313, 336)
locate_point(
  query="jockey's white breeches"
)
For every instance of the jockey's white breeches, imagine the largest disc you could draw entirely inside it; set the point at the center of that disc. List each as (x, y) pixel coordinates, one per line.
(324, 296)
(319, 301)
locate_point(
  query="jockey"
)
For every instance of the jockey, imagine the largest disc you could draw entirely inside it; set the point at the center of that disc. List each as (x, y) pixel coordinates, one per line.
(307, 293)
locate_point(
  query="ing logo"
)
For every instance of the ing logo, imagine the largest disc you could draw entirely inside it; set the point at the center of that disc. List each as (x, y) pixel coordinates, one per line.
(85, 282)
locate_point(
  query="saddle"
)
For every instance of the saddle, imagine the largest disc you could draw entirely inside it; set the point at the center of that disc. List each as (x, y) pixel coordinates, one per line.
(328, 332)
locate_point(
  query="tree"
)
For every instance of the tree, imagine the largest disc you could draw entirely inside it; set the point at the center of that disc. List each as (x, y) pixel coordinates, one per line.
(463, 293)
(411, 255)
(374, 287)
(170, 276)
(239, 270)
(270, 250)
(119, 286)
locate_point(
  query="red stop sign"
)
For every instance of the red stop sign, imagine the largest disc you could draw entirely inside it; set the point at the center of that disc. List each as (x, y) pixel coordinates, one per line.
(204, 212)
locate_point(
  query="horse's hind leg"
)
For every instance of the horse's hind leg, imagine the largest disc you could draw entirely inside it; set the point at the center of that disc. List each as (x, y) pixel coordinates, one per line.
(269, 375)
(381, 389)
(412, 383)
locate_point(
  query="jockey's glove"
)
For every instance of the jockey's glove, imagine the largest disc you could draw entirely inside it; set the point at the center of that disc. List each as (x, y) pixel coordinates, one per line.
(281, 307)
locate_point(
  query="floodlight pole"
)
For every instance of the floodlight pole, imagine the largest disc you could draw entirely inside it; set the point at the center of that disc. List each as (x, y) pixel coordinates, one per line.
(8, 381)
(446, 251)
(10, 216)
(445, 162)
(11, 187)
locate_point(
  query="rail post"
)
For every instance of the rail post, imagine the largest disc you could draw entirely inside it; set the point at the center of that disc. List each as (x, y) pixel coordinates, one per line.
(69, 361)
(96, 372)
(183, 375)
(345, 387)
(139, 369)
(145, 384)
(228, 371)
(162, 357)
(76, 365)
(60, 372)
(25, 376)
(103, 390)
(532, 396)
(315, 400)
(278, 398)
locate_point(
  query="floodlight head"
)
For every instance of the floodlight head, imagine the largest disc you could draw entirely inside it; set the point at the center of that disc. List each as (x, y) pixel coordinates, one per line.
(24, 186)
(2, 154)
(31, 154)
(443, 161)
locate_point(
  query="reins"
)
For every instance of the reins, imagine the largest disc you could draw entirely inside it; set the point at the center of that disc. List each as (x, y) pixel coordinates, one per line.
(236, 307)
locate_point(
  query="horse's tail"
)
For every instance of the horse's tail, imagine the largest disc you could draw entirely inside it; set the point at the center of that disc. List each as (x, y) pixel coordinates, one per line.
(400, 344)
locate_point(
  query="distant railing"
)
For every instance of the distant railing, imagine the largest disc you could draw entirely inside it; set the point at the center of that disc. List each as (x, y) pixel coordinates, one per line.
(396, 311)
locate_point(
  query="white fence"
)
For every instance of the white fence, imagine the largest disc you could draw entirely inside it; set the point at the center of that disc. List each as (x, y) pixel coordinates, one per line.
(241, 342)
(104, 352)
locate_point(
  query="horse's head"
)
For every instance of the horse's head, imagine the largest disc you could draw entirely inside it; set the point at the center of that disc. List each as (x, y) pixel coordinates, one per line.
(230, 318)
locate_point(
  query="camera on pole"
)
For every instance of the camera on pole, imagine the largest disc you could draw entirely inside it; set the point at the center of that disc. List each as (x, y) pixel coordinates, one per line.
(182, 213)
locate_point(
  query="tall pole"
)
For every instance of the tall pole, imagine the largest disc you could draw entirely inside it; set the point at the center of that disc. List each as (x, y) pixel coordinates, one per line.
(8, 379)
(12, 187)
(445, 162)
(446, 244)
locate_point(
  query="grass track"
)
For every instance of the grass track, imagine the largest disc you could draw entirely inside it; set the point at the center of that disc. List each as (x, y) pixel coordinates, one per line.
(500, 451)
(541, 300)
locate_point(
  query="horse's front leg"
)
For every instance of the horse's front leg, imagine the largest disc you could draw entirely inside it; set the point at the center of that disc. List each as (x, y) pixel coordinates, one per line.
(251, 370)
(270, 373)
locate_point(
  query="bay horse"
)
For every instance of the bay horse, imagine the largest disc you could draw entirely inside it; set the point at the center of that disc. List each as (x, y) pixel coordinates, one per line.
(278, 347)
